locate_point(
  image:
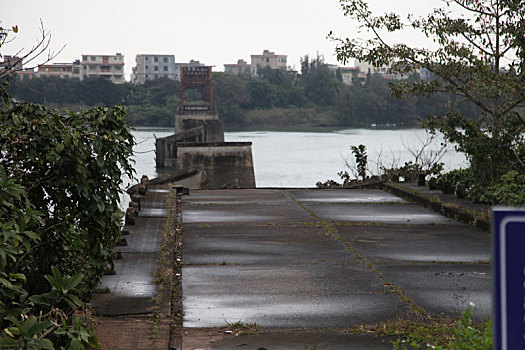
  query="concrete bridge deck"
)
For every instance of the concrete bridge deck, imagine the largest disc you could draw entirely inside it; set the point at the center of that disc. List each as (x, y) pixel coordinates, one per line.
(305, 265)
(301, 262)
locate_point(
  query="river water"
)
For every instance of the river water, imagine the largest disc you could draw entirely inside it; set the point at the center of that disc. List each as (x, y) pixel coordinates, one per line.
(300, 159)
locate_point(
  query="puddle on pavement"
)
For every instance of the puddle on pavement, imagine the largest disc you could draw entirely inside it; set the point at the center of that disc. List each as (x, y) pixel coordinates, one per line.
(362, 199)
(206, 216)
(436, 257)
(153, 213)
(158, 190)
(210, 311)
(382, 217)
(132, 288)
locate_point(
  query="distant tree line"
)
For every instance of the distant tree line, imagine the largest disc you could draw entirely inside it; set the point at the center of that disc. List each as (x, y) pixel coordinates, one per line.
(315, 96)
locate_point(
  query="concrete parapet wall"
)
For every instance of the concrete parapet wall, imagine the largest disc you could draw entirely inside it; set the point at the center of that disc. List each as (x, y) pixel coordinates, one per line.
(227, 164)
(213, 130)
(182, 117)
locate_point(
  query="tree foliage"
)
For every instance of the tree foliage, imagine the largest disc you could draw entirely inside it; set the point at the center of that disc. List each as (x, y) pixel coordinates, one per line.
(60, 178)
(479, 57)
(60, 183)
(320, 85)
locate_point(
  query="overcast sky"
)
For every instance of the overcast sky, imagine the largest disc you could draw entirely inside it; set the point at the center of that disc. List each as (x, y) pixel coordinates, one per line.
(214, 32)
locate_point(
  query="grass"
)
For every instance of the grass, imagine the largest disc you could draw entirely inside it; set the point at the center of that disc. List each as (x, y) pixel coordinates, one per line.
(242, 328)
(442, 333)
(167, 274)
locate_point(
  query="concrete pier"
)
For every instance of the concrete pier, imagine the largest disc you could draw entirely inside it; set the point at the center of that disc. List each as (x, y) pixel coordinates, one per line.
(300, 268)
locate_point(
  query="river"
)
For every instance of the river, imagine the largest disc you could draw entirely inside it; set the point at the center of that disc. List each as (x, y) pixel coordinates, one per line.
(301, 159)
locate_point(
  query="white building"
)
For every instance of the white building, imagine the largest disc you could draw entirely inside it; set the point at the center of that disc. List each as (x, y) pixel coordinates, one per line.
(383, 71)
(151, 67)
(107, 66)
(352, 75)
(241, 67)
(267, 59)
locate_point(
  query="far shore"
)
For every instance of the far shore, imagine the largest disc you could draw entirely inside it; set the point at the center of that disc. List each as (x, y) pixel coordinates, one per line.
(280, 128)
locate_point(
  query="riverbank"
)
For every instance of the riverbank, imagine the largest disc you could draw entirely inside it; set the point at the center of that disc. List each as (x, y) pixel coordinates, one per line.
(314, 128)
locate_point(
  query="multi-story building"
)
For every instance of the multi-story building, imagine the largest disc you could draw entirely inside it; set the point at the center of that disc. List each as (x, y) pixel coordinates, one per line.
(241, 67)
(267, 59)
(383, 71)
(150, 67)
(61, 70)
(333, 68)
(365, 67)
(352, 75)
(107, 66)
(26, 74)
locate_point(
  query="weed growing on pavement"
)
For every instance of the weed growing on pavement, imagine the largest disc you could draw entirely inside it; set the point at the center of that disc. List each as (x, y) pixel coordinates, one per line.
(242, 328)
(163, 274)
(440, 333)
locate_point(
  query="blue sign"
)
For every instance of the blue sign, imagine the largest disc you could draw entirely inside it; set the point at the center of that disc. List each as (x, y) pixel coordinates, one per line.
(508, 228)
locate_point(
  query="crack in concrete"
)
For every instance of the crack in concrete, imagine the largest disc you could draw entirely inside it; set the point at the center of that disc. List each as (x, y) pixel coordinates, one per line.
(330, 228)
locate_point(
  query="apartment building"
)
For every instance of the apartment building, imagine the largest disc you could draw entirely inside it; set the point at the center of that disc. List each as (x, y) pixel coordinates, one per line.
(267, 59)
(26, 74)
(107, 66)
(352, 75)
(241, 67)
(383, 71)
(151, 67)
(61, 70)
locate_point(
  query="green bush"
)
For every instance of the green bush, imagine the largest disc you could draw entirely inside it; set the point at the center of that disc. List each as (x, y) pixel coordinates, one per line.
(509, 190)
(60, 180)
(447, 182)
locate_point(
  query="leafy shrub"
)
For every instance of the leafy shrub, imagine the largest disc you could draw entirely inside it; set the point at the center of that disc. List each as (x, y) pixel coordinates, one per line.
(361, 159)
(509, 190)
(448, 182)
(60, 178)
(467, 337)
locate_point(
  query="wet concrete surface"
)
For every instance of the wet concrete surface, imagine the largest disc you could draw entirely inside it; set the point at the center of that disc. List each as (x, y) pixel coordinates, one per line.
(445, 288)
(344, 196)
(315, 259)
(246, 244)
(289, 296)
(443, 268)
(377, 213)
(251, 213)
(254, 196)
(129, 291)
(452, 242)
